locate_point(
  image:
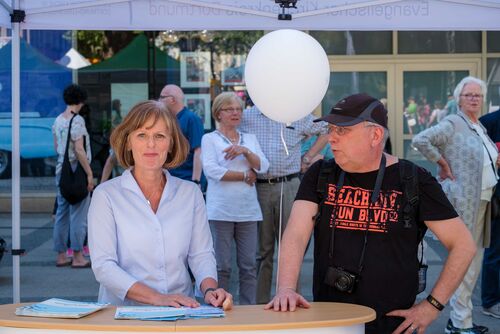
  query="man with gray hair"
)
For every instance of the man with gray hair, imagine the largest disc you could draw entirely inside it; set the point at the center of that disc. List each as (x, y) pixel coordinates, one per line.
(369, 211)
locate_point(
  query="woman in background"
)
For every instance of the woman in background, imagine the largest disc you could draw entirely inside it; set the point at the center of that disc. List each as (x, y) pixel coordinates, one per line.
(230, 160)
(467, 161)
(71, 219)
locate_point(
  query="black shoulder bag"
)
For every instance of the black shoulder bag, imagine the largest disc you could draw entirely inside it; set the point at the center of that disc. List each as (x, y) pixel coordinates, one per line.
(73, 184)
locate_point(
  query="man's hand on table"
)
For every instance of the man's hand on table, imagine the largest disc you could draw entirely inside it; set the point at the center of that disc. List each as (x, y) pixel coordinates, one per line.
(287, 299)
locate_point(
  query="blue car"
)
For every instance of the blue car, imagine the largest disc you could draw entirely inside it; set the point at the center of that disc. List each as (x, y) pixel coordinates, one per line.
(36, 141)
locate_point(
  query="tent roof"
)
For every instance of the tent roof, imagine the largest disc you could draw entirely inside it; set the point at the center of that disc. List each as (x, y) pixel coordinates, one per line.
(257, 15)
(133, 57)
(31, 60)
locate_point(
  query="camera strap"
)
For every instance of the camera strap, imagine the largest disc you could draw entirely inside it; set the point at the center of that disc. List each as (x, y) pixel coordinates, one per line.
(373, 199)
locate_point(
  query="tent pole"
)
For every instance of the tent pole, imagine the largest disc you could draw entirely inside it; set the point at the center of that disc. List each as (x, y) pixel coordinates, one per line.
(6, 6)
(16, 170)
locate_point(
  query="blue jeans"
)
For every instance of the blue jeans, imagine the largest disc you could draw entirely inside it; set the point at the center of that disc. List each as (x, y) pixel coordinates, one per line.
(71, 219)
(490, 289)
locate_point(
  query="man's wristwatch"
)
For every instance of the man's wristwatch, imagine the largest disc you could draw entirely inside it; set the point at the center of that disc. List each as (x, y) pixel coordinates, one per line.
(306, 160)
(434, 302)
(196, 181)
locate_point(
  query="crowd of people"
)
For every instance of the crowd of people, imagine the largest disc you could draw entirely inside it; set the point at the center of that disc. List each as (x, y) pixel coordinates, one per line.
(155, 238)
(420, 115)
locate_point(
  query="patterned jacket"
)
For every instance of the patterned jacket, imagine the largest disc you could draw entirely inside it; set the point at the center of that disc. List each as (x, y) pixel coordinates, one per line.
(455, 140)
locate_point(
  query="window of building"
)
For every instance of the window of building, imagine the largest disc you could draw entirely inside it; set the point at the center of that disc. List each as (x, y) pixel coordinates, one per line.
(418, 42)
(493, 81)
(354, 42)
(343, 84)
(493, 41)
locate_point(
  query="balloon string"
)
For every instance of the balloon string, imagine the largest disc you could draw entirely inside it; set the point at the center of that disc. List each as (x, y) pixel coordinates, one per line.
(283, 139)
(279, 238)
(281, 213)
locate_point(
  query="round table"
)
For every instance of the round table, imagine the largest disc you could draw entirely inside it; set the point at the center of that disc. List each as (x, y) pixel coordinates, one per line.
(321, 318)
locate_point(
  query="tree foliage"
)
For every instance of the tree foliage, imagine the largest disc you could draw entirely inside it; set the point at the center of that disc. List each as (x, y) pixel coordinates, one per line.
(100, 45)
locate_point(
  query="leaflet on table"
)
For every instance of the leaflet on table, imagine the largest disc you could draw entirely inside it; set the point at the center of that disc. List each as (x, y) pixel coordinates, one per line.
(60, 308)
(166, 313)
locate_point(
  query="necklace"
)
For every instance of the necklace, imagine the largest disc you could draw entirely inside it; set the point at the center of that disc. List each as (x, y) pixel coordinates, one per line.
(155, 193)
(231, 140)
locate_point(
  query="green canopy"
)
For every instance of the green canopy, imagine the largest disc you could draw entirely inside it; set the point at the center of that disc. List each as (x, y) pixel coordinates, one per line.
(134, 57)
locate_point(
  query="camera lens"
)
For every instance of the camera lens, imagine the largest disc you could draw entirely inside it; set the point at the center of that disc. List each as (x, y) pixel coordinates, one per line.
(343, 283)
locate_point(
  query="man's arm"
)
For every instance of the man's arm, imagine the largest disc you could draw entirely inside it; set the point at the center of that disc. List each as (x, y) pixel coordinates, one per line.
(455, 236)
(318, 145)
(196, 164)
(293, 245)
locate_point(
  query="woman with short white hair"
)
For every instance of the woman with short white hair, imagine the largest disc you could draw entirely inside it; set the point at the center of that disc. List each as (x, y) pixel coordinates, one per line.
(465, 155)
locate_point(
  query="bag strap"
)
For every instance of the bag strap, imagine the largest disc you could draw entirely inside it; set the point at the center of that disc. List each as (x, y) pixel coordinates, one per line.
(409, 181)
(326, 170)
(69, 137)
(484, 144)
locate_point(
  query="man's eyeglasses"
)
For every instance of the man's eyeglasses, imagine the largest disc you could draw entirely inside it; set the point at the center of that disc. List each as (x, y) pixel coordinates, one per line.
(164, 97)
(339, 130)
(471, 97)
(231, 110)
(342, 130)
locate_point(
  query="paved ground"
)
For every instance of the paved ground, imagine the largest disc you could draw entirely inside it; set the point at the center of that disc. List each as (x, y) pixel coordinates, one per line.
(40, 279)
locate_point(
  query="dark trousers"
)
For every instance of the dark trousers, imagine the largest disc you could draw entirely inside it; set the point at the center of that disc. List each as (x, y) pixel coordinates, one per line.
(490, 282)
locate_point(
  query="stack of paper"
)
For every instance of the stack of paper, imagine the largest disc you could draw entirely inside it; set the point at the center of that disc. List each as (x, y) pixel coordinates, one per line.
(60, 308)
(165, 313)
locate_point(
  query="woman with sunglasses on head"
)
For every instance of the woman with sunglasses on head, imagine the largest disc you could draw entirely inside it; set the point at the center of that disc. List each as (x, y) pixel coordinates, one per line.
(230, 161)
(467, 170)
(146, 227)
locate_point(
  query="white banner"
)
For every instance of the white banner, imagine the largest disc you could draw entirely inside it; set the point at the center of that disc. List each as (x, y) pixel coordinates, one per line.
(258, 15)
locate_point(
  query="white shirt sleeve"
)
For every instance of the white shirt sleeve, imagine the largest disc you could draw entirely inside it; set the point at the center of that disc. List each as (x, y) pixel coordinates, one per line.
(209, 157)
(78, 129)
(103, 243)
(264, 163)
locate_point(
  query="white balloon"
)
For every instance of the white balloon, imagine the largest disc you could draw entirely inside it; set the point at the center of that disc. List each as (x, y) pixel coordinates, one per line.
(287, 74)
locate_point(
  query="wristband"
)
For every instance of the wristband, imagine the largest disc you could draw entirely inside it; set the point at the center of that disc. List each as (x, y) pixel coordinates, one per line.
(434, 302)
(196, 181)
(207, 291)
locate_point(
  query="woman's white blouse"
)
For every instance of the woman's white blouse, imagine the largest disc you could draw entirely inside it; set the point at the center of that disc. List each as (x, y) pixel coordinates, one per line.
(129, 243)
(233, 201)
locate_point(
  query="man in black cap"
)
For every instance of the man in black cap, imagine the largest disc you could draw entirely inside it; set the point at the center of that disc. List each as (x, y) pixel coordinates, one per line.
(369, 211)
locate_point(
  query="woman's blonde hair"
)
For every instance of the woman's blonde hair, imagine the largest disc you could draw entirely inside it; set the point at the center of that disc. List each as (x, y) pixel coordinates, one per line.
(223, 99)
(139, 115)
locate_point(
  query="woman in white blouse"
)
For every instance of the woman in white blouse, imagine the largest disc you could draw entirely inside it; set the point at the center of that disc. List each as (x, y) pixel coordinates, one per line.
(147, 227)
(230, 160)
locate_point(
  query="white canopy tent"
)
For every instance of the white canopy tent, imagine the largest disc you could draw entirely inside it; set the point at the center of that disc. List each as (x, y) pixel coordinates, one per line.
(223, 15)
(256, 15)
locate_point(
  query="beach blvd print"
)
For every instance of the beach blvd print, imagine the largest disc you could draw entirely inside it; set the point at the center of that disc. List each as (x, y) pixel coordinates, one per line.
(351, 208)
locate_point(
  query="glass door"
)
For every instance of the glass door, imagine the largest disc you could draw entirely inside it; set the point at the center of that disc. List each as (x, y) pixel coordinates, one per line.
(424, 97)
(348, 78)
(412, 88)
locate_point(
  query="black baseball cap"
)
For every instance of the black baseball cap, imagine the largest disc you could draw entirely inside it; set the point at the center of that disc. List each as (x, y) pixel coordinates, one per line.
(355, 109)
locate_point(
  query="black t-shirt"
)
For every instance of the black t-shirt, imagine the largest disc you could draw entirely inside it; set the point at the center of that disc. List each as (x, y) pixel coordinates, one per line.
(388, 280)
